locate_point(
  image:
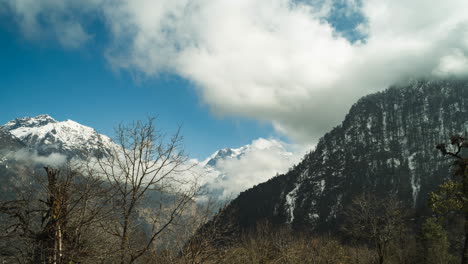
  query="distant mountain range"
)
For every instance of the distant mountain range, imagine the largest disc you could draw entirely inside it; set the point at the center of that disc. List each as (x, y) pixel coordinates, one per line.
(42, 136)
(384, 146)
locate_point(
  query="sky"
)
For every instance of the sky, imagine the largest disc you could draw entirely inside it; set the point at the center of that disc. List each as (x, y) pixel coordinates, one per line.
(228, 71)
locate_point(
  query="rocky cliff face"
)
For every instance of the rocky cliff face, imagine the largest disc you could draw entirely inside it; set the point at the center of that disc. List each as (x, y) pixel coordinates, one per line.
(9, 142)
(385, 145)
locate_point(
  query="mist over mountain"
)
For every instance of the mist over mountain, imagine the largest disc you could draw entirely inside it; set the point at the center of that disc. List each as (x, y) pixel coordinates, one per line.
(229, 171)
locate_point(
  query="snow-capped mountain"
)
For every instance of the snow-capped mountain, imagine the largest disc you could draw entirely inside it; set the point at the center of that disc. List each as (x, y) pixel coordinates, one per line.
(237, 153)
(223, 154)
(230, 171)
(47, 135)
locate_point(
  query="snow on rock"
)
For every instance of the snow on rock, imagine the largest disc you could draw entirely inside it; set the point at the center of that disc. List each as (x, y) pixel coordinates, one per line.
(48, 135)
(290, 203)
(415, 181)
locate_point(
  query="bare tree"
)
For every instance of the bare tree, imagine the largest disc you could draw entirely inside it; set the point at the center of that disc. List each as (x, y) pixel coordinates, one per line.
(50, 221)
(377, 221)
(145, 172)
(205, 234)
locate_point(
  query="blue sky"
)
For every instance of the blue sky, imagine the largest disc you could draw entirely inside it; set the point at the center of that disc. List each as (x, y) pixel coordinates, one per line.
(40, 77)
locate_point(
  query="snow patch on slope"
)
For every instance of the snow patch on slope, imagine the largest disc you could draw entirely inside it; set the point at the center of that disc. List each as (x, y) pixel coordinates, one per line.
(415, 182)
(291, 203)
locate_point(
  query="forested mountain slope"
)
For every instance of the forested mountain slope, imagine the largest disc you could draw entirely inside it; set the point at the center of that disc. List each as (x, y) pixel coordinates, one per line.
(385, 145)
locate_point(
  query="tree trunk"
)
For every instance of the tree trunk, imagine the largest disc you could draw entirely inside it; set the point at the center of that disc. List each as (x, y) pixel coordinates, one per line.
(124, 241)
(465, 247)
(59, 243)
(381, 253)
(465, 194)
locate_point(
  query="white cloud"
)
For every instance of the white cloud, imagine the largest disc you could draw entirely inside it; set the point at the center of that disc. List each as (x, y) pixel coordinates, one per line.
(71, 35)
(275, 60)
(454, 64)
(24, 155)
(51, 19)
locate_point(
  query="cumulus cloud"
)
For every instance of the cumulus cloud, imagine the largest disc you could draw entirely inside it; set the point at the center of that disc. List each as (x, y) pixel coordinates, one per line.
(288, 62)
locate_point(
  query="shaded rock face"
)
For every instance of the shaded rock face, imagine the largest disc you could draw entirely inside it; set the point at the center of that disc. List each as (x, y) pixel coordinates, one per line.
(385, 145)
(9, 142)
(11, 171)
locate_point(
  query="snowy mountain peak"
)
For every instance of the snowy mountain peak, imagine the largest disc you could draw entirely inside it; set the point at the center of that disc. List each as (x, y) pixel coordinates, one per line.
(37, 121)
(48, 135)
(222, 154)
(259, 144)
